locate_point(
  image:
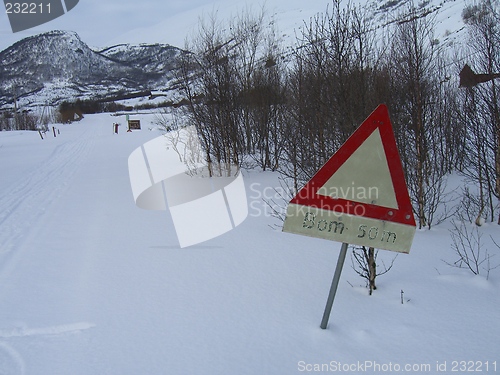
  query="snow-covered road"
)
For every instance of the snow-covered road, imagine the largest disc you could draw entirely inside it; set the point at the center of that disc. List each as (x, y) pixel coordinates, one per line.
(63, 238)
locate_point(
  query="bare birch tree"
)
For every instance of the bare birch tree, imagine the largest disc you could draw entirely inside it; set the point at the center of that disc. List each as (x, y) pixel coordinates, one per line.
(417, 112)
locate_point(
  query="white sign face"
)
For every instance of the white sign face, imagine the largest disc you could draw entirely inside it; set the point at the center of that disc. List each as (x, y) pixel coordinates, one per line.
(359, 196)
(364, 177)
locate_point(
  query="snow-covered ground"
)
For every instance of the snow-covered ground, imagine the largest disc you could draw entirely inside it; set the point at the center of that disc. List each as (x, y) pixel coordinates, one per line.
(91, 284)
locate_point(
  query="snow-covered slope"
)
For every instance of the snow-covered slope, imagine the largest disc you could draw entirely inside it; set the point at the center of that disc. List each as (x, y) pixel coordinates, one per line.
(91, 284)
(56, 66)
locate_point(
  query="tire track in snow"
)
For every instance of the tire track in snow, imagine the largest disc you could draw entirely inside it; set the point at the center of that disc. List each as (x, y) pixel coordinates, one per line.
(64, 329)
(12, 362)
(24, 205)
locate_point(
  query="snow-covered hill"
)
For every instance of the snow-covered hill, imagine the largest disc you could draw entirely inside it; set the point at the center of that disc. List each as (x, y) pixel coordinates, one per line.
(56, 66)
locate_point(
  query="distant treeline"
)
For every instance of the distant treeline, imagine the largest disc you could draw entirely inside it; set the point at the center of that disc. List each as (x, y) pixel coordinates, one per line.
(73, 110)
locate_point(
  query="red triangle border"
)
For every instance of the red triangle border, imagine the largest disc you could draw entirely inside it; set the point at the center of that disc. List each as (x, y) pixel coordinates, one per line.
(378, 119)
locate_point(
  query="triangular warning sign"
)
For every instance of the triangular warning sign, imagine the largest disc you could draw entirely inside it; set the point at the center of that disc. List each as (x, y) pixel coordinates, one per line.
(362, 184)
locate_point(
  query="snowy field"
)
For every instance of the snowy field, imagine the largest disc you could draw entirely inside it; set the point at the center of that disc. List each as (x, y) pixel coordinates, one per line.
(91, 284)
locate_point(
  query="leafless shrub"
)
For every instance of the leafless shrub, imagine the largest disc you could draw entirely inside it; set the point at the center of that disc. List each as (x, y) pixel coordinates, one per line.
(364, 263)
(278, 204)
(468, 246)
(469, 209)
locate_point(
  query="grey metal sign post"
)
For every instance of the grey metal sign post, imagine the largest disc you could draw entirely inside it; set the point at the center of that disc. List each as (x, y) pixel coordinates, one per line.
(335, 284)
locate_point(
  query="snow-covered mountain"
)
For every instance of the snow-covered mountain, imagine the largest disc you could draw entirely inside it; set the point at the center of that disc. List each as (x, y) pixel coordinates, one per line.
(58, 65)
(52, 67)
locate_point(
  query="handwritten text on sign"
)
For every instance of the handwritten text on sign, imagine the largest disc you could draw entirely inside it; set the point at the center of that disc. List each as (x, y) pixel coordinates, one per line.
(342, 227)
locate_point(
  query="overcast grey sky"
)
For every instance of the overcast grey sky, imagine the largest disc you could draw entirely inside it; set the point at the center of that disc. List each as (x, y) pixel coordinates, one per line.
(103, 22)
